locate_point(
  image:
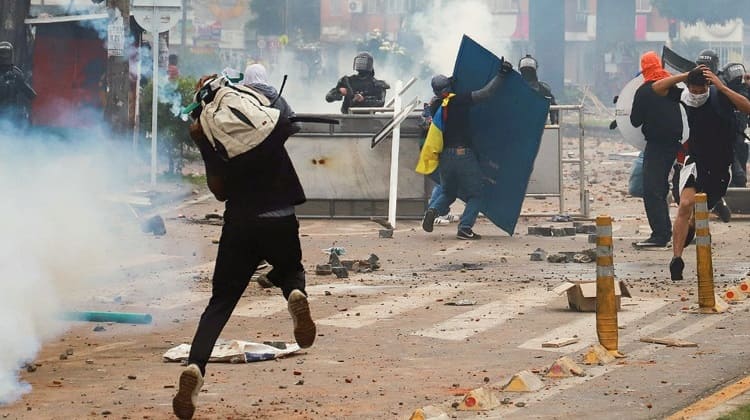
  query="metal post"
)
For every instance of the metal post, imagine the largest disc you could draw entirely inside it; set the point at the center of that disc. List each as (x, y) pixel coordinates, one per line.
(395, 144)
(137, 112)
(117, 106)
(155, 92)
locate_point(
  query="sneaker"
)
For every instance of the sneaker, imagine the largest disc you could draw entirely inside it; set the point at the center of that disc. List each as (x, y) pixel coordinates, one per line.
(191, 381)
(690, 233)
(447, 219)
(675, 268)
(723, 211)
(428, 222)
(304, 327)
(651, 243)
(467, 233)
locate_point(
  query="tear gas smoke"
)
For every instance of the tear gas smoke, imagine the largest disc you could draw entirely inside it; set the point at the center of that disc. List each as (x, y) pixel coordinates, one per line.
(55, 229)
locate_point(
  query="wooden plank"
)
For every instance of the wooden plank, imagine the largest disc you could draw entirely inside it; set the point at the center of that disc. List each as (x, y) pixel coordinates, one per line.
(669, 342)
(555, 344)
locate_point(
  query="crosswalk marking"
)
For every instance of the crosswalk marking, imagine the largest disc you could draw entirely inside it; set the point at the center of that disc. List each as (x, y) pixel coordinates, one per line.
(642, 352)
(487, 316)
(384, 310)
(585, 327)
(269, 306)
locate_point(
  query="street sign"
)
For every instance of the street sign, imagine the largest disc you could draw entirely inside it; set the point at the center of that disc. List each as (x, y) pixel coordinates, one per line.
(168, 13)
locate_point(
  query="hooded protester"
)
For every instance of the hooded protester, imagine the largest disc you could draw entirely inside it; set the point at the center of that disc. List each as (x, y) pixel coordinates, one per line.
(260, 191)
(710, 107)
(661, 123)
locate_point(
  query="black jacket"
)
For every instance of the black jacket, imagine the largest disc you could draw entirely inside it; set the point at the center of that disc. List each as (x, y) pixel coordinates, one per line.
(372, 89)
(262, 179)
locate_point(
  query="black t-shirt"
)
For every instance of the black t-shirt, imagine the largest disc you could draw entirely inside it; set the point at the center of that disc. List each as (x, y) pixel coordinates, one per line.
(659, 116)
(457, 128)
(712, 130)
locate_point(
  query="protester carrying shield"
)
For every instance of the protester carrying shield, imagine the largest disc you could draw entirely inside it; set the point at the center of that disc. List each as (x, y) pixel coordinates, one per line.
(260, 188)
(661, 123)
(710, 107)
(459, 166)
(361, 90)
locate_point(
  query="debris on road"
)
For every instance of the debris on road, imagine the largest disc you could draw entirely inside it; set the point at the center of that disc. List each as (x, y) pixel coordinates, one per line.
(669, 342)
(463, 302)
(538, 255)
(234, 351)
(562, 342)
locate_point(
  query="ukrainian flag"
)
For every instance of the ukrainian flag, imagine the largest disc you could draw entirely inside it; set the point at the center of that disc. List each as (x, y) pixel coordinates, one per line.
(429, 156)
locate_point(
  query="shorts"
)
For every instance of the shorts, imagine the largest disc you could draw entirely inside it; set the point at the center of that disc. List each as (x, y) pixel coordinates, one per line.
(713, 183)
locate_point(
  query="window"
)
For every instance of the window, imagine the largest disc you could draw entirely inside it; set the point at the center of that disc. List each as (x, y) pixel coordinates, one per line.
(372, 7)
(643, 6)
(583, 6)
(396, 7)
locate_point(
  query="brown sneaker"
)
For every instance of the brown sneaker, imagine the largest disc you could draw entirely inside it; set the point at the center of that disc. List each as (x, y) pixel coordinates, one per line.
(191, 381)
(304, 326)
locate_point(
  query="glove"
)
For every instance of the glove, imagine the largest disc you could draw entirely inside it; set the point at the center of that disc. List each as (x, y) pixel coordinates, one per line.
(505, 67)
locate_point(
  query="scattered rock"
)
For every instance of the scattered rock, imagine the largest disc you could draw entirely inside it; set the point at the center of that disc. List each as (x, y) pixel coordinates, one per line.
(538, 255)
(99, 328)
(385, 233)
(340, 272)
(323, 270)
(557, 258)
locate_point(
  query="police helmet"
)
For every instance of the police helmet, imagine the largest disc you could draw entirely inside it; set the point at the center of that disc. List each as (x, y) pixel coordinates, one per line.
(709, 58)
(528, 62)
(363, 62)
(732, 71)
(441, 84)
(6, 53)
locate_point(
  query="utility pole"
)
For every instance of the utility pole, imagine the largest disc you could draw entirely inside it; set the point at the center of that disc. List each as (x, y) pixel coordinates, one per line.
(117, 106)
(14, 30)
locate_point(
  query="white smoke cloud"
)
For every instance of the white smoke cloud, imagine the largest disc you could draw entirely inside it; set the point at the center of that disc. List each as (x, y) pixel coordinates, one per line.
(442, 28)
(55, 229)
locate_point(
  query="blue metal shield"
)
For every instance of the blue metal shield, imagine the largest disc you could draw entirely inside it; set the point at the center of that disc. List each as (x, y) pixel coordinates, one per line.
(507, 131)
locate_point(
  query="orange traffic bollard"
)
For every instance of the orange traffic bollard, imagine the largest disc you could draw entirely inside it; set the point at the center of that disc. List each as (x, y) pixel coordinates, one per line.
(706, 294)
(606, 303)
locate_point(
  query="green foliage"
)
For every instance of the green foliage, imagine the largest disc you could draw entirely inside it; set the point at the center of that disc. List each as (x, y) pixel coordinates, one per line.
(173, 129)
(741, 413)
(714, 11)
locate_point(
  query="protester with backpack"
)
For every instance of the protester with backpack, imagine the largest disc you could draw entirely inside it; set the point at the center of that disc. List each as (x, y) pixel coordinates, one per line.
(241, 132)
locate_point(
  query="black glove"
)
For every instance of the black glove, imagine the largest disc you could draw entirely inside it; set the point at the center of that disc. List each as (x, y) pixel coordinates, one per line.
(505, 67)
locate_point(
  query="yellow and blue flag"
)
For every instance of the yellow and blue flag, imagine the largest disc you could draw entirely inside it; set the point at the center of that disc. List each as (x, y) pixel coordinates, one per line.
(429, 156)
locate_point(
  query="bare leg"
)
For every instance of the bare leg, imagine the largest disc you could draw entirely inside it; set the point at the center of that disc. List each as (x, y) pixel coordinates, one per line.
(682, 220)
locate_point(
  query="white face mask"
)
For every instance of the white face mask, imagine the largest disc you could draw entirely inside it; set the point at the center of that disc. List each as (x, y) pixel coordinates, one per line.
(693, 100)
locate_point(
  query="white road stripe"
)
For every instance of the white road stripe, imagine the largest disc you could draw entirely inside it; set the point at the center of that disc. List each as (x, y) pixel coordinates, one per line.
(585, 327)
(706, 321)
(395, 306)
(488, 316)
(269, 306)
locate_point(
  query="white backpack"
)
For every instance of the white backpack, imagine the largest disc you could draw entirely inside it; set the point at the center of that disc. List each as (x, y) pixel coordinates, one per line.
(235, 118)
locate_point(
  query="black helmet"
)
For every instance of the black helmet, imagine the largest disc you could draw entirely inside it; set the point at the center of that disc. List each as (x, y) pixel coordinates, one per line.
(441, 84)
(732, 72)
(710, 59)
(363, 62)
(6, 53)
(528, 62)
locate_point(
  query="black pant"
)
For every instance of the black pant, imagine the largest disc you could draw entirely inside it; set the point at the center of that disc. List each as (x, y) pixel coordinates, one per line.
(739, 166)
(658, 159)
(242, 246)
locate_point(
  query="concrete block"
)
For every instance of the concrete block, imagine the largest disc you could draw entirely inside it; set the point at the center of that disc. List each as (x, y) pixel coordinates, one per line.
(340, 272)
(524, 381)
(564, 367)
(557, 232)
(323, 270)
(745, 286)
(479, 399)
(570, 231)
(538, 255)
(429, 413)
(385, 233)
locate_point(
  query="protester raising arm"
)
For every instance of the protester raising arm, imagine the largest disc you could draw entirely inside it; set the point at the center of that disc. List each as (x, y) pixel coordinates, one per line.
(490, 88)
(739, 101)
(661, 87)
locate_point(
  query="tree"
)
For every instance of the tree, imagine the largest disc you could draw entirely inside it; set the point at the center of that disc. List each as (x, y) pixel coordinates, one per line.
(710, 12)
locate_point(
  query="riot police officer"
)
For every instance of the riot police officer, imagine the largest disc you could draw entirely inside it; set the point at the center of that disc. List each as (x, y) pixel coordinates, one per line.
(14, 91)
(733, 75)
(710, 59)
(528, 66)
(361, 90)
